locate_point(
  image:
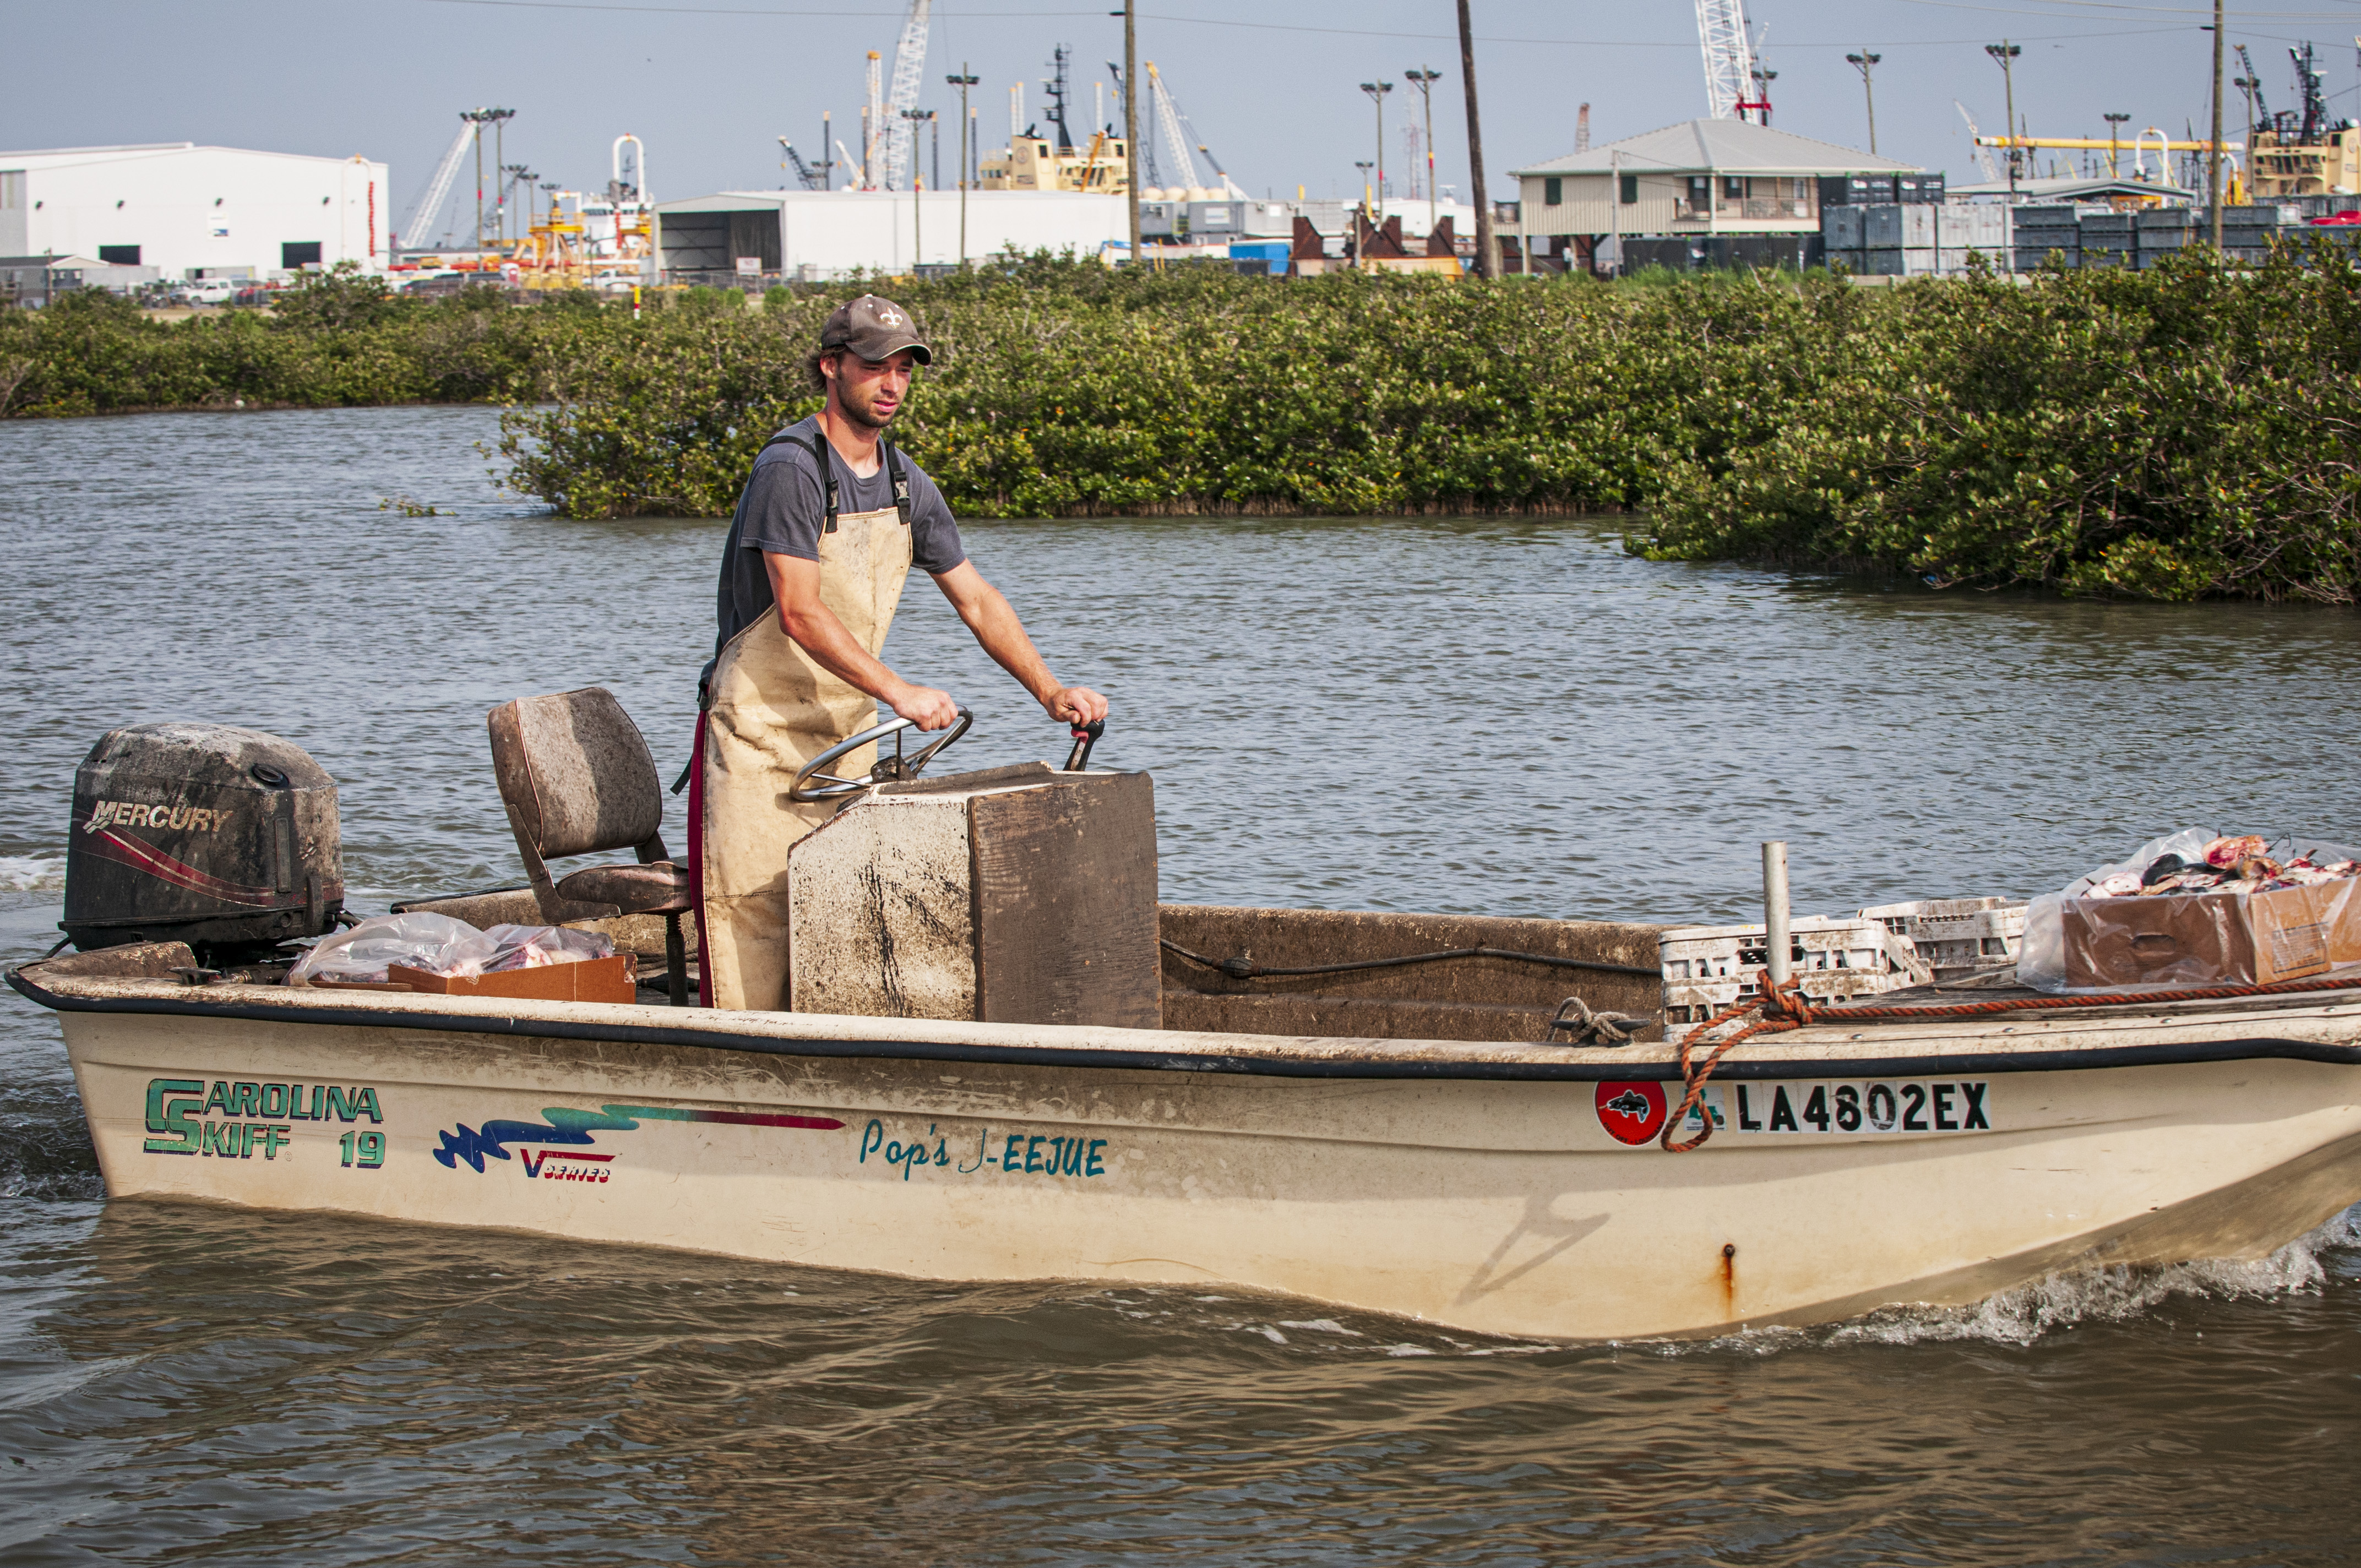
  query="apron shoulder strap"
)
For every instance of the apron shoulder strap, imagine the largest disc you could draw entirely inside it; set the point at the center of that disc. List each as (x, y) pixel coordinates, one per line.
(901, 482)
(827, 470)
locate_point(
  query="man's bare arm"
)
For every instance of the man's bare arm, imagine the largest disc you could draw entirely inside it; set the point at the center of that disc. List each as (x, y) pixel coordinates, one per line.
(989, 615)
(814, 628)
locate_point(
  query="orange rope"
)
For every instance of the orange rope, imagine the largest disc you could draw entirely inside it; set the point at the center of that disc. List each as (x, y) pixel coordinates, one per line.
(1783, 1007)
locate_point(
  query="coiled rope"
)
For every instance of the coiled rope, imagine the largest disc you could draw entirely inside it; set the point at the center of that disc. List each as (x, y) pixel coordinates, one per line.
(1782, 1006)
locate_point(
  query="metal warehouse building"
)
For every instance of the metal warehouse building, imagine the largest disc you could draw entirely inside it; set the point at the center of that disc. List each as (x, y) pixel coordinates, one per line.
(191, 211)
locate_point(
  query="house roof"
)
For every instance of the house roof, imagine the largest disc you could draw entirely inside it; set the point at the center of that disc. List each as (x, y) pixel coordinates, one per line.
(1720, 147)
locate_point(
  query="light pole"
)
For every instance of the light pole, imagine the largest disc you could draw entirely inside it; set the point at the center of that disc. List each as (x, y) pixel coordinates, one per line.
(918, 191)
(964, 81)
(1864, 62)
(2002, 53)
(1424, 81)
(2115, 122)
(1377, 91)
(1364, 166)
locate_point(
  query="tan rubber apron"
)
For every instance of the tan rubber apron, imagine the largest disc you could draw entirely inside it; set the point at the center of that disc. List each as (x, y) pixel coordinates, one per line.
(773, 709)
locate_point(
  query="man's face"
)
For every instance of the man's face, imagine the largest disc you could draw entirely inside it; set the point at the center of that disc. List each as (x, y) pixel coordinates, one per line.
(869, 393)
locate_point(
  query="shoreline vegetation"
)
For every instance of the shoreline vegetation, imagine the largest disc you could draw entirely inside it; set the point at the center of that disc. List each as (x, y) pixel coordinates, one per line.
(2185, 433)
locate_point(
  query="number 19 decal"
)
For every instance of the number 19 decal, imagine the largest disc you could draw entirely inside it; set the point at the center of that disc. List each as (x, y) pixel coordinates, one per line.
(366, 1150)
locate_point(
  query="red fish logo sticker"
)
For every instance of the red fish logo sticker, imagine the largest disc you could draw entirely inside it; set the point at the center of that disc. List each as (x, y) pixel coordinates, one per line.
(1632, 1113)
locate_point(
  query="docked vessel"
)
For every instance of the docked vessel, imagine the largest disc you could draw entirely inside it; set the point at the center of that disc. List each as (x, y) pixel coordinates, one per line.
(1029, 1068)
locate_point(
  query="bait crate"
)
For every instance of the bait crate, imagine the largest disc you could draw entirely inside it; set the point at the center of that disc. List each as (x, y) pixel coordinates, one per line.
(1957, 937)
(1709, 968)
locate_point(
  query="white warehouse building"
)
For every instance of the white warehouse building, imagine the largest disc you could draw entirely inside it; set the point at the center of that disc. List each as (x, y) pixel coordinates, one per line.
(826, 234)
(189, 211)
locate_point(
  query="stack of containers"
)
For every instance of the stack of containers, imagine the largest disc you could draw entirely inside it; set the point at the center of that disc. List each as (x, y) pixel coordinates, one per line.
(1841, 232)
(1962, 230)
(2159, 232)
(2040, 230)
(2248, 231)
(2107, 240)
(1898, 241)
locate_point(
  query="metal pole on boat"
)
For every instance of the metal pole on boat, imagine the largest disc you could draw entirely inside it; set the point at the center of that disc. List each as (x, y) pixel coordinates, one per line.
(1779, 946)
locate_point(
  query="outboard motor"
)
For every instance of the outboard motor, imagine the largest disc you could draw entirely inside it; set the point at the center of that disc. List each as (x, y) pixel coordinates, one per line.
(220, 837)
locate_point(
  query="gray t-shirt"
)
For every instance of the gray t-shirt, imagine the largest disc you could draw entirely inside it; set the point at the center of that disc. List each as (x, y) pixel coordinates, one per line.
(783, 508)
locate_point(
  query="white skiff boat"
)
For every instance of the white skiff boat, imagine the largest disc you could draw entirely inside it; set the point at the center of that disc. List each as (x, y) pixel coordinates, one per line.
(1503, 1188)
(1003, 1060)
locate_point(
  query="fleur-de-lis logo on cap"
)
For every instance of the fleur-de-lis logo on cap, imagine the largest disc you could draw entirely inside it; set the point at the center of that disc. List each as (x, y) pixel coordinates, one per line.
(890, 316)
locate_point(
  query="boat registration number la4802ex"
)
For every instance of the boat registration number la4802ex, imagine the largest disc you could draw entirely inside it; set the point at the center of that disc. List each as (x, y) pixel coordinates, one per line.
(1633, 1114)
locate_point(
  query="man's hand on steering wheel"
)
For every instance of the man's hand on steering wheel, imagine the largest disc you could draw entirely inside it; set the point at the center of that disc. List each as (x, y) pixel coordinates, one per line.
(1076, 706)
(927, 708)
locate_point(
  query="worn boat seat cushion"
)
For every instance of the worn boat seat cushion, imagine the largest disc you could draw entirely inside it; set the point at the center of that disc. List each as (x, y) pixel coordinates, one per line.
(578, 770)
(657, 888)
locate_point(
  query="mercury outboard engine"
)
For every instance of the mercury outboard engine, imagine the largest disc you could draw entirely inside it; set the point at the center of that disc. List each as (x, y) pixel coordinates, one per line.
(220, 837)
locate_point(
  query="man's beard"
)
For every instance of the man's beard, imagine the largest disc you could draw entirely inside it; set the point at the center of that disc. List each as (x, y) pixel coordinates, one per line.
(865, 416)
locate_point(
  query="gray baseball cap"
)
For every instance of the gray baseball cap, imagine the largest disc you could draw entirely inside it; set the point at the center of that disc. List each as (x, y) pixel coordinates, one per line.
(876, 329)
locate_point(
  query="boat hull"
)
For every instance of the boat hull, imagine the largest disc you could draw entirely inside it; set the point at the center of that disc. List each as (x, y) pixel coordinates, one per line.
(1501, 1204)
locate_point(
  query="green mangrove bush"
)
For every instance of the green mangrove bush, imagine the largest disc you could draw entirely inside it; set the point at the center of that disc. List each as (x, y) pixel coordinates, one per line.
(2186, 432)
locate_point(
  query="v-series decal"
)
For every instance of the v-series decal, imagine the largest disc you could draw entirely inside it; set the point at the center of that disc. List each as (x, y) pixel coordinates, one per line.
(132, 814)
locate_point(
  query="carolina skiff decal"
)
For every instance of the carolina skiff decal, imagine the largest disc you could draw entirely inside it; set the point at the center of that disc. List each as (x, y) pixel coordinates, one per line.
(237, 1120)
(1634, 1112)
(570, 1127)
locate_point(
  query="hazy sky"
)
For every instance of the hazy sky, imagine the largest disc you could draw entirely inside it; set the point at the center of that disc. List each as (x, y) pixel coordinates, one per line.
(1270, 85)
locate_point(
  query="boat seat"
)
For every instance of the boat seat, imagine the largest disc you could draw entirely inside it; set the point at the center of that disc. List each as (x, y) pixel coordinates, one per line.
(577, 778)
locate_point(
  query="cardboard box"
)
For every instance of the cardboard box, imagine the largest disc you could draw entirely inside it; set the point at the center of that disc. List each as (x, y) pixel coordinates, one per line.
(591, 980)
(2213, 939)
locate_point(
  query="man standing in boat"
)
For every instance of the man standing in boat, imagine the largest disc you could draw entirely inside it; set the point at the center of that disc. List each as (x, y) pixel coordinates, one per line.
(830, 521)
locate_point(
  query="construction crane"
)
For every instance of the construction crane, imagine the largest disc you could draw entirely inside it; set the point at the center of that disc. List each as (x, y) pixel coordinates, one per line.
(813, 180)
(1168, 123)
(1728, 59)
(438, 190)
(909, 68)
(1975, 140)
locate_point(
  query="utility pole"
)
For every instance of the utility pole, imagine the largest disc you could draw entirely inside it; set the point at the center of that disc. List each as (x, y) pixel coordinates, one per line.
(2114, 127)
(827, 151)
(1363, 165)
(2213, 158)
(1424, 79)
(2002, 53)
(1377, 91)
(476, 118)
(1131, 120)
(1486, 264)
(1863, 62)
(964, 81)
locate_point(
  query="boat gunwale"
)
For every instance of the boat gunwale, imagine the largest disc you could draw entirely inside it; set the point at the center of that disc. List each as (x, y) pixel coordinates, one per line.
(1313, 1058)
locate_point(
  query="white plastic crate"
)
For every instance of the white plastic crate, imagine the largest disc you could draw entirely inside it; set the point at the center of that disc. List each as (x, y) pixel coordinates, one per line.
(1708, 968)
(1957, 937)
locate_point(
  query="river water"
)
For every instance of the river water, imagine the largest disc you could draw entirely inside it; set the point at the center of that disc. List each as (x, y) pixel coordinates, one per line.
(1482, 715)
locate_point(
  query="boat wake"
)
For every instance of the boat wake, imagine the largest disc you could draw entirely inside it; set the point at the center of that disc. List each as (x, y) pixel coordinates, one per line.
(2097, 1295)
(30, 873)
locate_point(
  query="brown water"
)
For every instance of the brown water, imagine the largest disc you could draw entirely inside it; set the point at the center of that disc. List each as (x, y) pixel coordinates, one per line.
(1481, 715)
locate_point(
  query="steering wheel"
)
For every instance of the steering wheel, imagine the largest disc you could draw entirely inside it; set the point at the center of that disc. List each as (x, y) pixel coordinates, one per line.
(812, 786)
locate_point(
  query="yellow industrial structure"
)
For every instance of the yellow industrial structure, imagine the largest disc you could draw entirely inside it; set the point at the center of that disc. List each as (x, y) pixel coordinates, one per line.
(1033, 163)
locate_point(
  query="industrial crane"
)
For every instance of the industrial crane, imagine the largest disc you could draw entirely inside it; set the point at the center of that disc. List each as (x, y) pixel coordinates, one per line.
(438, 190)
(910, 67)
(1169, 121)
(1728, 59)
(813, 180)
(1975, 140)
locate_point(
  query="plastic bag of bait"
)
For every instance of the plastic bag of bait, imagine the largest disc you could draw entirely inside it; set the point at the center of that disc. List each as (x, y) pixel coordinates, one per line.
(2193, 909)
(522, 947)
(360, 954)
